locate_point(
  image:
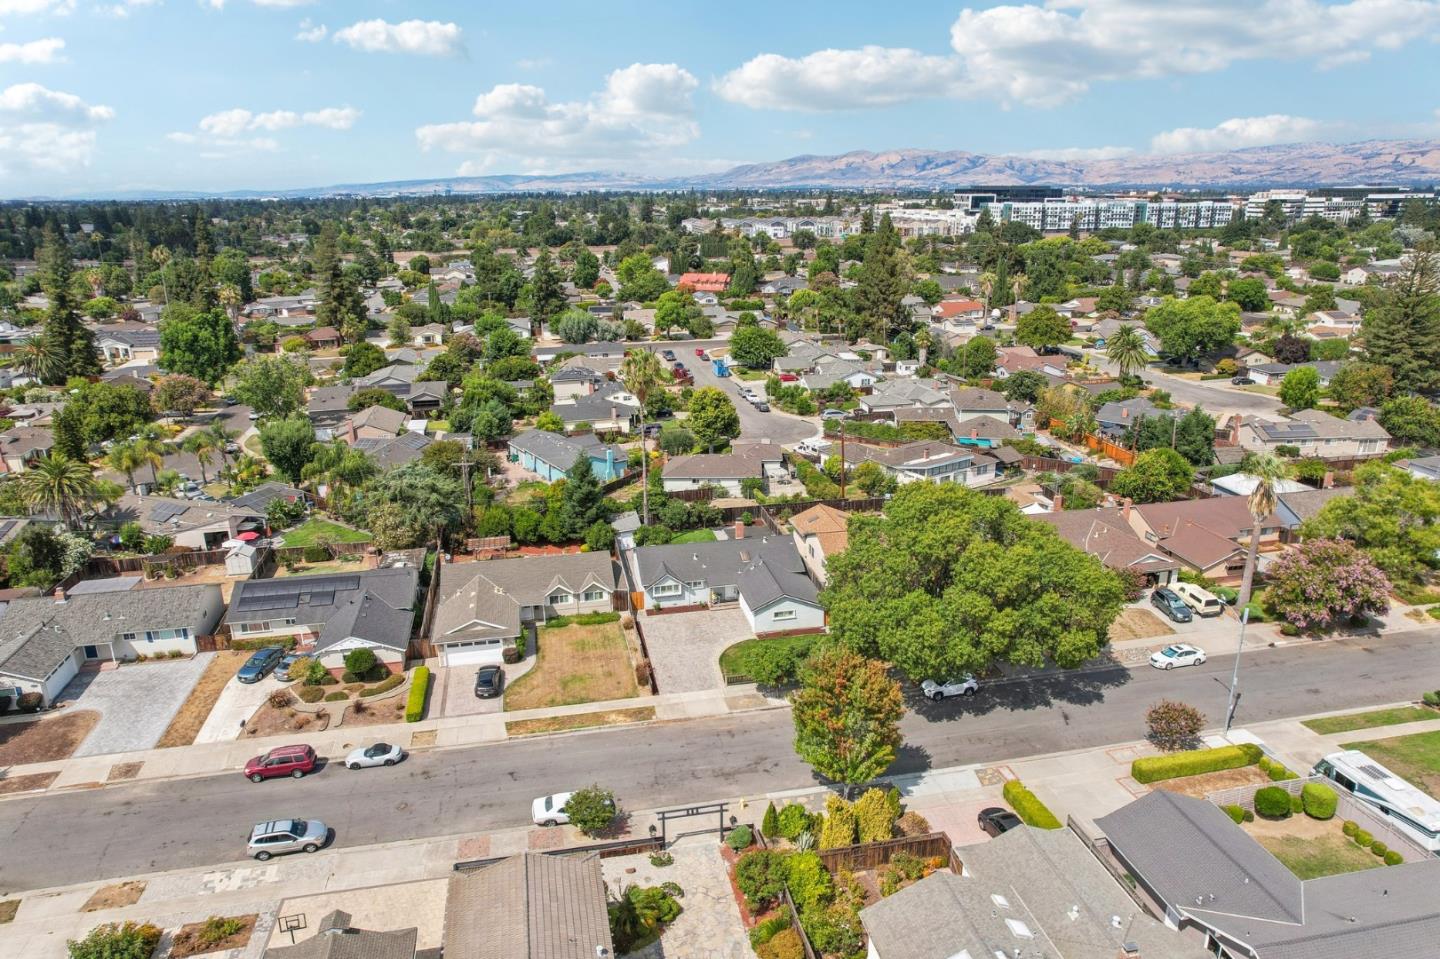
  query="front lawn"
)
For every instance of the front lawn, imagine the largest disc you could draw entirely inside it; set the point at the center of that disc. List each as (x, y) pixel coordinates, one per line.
(695, 536)
(735, 660)
(576, 664)
(1415, 757)
(45, 740)
(1378, 717)
(196, 708)
(314, 531)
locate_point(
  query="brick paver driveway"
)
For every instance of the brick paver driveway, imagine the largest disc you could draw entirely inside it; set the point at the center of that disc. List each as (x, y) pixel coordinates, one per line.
(685, 648)
(135, 702)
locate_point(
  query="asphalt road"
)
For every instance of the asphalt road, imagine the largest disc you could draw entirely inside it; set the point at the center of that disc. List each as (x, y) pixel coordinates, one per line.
(1218, 397)
(124, 830)
(236, 419)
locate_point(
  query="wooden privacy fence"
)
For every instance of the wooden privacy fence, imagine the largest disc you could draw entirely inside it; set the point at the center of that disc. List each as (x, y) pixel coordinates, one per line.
(103, 566)
(873, 855)
(1099, 444)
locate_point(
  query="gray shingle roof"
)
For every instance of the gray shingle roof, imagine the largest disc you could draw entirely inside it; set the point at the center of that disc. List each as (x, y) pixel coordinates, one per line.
(388, 453)
(37, 634)
(530, 906)
(494, 590)
(336, 939)
(732, 562)
(561, 451)
(376, 605)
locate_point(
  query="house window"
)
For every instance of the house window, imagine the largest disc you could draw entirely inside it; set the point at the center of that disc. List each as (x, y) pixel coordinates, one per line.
(783, 614)
(667, 589)
(259, 627)
(558, 599)
(594, 595)
(697, 584)
(128, 637)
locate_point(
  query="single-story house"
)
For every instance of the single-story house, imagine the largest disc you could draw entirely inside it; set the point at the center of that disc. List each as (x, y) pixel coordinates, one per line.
(569, 382)
(431, 334)
(426, 396)
(390, 452)
(1422, 467)
(726, 470)
(1294, 509)
(1313, 433)
(766, 576)
(192, 523)
(1270, 374)
(396, 378)
(336, 938)
(22, 445)
(328, 406)
(1243, 484)
(550, 455)
(484, 606)
(129, 342)
(820, 532)
(610, 409)
(44, 640)
(705, 282)
(331, 614)
(1107, 535)
(901, 394)
(835, 371)
(1115, 419)
(260, 498)
(1012, 359)
(1213, 878)
(1210, 536)
(959, 311)
(373, 422)
(529, 906)
(323, 338)
(931, 461)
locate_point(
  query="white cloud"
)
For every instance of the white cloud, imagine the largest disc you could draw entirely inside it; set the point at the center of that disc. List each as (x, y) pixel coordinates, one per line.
(642, 108)
(229, 124)
(1078, 154)
(47, 130)
(311, 33)
(123, 8)
(1237, 133)
(35, 51)
(12, 8)
(281, 4)
(840, 79)
(1046, 54)
(429, 38)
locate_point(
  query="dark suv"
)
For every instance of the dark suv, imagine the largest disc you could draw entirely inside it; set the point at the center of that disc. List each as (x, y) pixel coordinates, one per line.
(258, 666)
(1171, 605)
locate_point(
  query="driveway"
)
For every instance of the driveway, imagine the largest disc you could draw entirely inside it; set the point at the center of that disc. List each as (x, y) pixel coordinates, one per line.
(685, 648)
(457, 693)
(135, 702)
(236, 704)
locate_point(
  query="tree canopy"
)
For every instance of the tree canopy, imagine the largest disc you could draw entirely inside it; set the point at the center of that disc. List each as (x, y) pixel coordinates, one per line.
(1190, 328)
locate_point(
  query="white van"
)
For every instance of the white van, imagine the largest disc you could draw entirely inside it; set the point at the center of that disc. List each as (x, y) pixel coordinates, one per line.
(1203, 602)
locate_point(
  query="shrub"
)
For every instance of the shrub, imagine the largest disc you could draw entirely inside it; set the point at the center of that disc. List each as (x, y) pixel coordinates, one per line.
(216, 930)
(834, 931)
(311, 694)
(280, 699)
(592, 809)
(740, 838)
(1379, 848)
(1236, 813)
(662, 859)
(1028, 806)
(130, 940)
(839, 826)
(1319, 800)
(875, 815)
(1363, 839)
(912, 824)
(1272, 802)
(175, 654)
(29, 702)
(316, 554)
(1173, 725)
(760, 876)
(793, 819)
(1297, 805)
(584, 619)
(1279, 773)
(770, 822)
(1393, 858)
(1350, 828)
(250, 644)
(335, 697)
(1194, 762)
(385, 685)
(348, 677)
(765, 930)
(415, 703)
(810, 884)
(784, 944)
(360, 661)
(1431, 698)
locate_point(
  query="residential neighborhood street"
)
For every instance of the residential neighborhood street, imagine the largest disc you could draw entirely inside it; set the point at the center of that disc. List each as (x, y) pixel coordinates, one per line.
(122, 830)
(1217, 397)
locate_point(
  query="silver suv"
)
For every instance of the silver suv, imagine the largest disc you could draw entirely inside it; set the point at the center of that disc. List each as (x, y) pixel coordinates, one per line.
(286, 835)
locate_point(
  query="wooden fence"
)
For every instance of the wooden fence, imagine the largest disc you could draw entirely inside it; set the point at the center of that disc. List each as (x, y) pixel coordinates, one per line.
(873, 855)
(104, 566)
(1099, 444)
(605, 850)
(1051, 464)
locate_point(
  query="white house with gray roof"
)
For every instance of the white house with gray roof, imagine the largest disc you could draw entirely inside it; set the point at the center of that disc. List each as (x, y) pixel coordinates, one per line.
(44, 640)
(1314, 433)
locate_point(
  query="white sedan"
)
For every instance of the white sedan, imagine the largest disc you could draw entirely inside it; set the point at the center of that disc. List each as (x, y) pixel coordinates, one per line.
(380, 754)
(550, 810)
(964, 686)
(1180, 654)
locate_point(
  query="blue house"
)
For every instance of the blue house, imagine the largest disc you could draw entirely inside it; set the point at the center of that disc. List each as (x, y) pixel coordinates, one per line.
(550, 455)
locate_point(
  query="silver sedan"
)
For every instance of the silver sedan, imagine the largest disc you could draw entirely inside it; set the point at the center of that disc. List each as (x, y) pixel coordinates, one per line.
(380, 754)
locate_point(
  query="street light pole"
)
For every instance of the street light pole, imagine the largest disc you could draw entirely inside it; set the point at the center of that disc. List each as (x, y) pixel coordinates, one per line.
(1235, 673)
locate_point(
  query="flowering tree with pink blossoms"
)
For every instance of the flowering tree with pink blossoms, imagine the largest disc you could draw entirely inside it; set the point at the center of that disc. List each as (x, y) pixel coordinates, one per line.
(1323, 583)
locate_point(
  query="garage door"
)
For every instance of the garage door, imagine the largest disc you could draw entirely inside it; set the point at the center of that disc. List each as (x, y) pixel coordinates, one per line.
(472, 654)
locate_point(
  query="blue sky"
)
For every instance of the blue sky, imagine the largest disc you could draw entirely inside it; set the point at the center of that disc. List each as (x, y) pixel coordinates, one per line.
(110, 95)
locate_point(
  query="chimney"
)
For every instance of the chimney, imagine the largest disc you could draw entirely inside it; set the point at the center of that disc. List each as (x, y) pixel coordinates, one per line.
(1328, 480)
(1058, 503)
(926, 454)
(1124, 412)
(739, 529)
(60, 596)
(974, 432)
(1125, 507)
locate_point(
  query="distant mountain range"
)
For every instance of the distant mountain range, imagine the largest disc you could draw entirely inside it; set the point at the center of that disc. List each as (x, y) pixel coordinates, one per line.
(1294, 164)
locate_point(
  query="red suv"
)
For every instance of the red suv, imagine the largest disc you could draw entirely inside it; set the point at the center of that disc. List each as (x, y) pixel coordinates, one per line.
(281, 761)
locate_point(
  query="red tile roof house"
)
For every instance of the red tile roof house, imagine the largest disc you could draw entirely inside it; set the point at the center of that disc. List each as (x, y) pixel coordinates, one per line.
(705, 282)
(1210, 536)
(959, 310)
(1107, 535)
(323, 338)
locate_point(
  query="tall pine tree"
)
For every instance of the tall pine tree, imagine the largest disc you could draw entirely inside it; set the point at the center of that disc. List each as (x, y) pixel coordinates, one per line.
(547, 299)
(202, 297)
(882, 285)
(70, 341)
(1403, 332)
(339, 304)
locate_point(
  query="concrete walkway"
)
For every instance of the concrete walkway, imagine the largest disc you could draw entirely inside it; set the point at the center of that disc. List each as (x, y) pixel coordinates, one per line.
(234, 706)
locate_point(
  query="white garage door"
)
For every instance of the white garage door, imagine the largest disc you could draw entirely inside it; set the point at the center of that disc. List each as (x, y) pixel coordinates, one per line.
(473, 654)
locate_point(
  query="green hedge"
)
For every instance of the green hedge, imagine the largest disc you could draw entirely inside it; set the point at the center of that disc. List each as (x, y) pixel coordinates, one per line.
(415, 704)
(1319, 800)
(384, 686)
(1272, 802)
(1194, 762)
(584, 619)
(311, 694)
(248, 644)
(1028, 806)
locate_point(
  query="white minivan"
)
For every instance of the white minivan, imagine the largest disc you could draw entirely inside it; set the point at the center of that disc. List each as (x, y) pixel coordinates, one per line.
(1203, 602)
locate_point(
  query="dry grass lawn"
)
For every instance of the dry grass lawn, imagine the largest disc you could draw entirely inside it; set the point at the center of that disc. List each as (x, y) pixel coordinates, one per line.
(610, 717)
(196, 938)
(1415, 757)
(1136, 623)
(269, 721)
(390, 710)
(45, 740)
(196, 708)
(114, 896)
(1202, 785)
(577, 664)
(8, 908)
(21, 784)
(1311, 848)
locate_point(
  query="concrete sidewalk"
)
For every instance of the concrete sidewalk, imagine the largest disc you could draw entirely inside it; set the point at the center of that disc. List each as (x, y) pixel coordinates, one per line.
(206, 759)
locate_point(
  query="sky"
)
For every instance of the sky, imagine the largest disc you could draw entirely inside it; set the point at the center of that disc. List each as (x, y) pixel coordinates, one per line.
(107, 96)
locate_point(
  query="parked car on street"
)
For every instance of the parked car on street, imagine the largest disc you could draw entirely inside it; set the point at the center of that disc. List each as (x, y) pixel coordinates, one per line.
(762, 406)
(995, 820)
(294, 761)
(1171, 605)
(833, 414)
(550, 810)
(1242, 381)
(700, 352)
(379, 754)
(1179, 654)
(966, 685)
(489, 681)
(259, 665)
(287, 835)
(1200, 600)
(668, 355)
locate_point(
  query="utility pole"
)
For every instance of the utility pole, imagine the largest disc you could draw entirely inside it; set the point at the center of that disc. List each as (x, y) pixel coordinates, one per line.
(1235, 673)
(465, 465)
(842, 459)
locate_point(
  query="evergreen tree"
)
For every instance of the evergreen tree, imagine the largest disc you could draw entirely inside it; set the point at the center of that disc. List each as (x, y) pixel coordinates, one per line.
(882, 285)
(582, 503)
(339, 304)
(71, 344)
(1403, 332)
(202, 296)
(547, 300)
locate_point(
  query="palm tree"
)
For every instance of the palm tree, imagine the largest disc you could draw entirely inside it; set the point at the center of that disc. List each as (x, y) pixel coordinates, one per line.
(221, 437)
(161, 256)
(1267, 469)
(40, 360)
(125, 458)
(1126, 350)
(987, 289)
(923, 341)
(202, 445)
(1016, 285)
(642, 375)
(58, 484)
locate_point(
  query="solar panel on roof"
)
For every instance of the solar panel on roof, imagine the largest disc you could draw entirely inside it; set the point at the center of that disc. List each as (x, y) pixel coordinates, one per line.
(164, 512)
